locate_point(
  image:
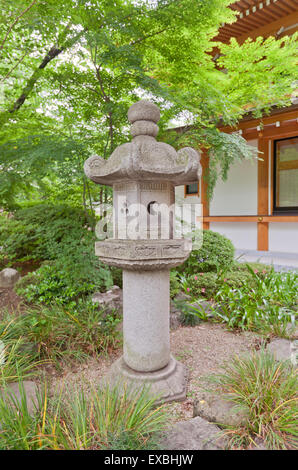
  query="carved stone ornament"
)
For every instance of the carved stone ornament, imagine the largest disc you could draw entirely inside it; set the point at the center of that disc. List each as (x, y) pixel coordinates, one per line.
(144, 158)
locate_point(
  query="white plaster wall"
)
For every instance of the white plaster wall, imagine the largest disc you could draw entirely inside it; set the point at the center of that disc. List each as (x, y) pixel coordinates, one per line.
(238, 195)
(179, 194)
(283, 237)
(243, 235)
(190, 210)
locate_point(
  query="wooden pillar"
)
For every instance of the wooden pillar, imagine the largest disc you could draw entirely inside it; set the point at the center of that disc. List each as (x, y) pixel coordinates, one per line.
(204, 187)
(263, 194)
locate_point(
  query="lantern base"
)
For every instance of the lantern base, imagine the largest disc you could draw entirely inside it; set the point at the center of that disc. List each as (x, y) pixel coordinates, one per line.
(168, 383)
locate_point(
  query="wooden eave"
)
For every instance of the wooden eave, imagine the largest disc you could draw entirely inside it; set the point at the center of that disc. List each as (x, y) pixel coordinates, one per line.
(261, 18)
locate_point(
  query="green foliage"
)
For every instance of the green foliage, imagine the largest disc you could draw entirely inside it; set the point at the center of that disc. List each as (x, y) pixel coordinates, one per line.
(37, 232)
(63, 236)
(70, 70)
(193, 314)
(105, 418)
(60, 334)
(14, 357)
(224, 150)
(270, 304)
(247, 296)
(65, 279)
(216, 253)
(267, 391)
(251, 75)
(175, 285)
(20, 428)
(206, 285)
(201, 285)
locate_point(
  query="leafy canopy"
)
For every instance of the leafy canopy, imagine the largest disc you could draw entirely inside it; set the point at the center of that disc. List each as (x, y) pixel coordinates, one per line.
(70, 69)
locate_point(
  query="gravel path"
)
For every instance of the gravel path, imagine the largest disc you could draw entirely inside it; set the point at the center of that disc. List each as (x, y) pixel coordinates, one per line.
(202, 349)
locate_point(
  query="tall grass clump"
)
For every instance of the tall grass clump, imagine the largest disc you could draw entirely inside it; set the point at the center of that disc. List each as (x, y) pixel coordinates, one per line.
(105, 418)
(15, 360)
(54, 333)
(267, 391)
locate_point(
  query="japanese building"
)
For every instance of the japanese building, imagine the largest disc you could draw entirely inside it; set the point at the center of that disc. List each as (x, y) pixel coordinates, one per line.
(257, 207)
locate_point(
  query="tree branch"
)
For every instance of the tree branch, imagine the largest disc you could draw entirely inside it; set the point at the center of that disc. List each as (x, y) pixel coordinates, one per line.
(105, 96)
(51, 54)
(15, 22)
(147, 37)
(14, 67)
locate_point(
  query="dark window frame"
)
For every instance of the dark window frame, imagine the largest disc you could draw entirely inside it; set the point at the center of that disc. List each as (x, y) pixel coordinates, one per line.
(194, 193)
(293, 210)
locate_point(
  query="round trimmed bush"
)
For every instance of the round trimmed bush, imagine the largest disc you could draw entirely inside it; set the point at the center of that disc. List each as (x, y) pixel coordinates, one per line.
(216, 253)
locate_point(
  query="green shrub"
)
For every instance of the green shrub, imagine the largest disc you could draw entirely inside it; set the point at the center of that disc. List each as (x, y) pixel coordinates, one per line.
(258, 268)
(216, 253)
(66, 279)
(208, 284)
(201, 285)
(37, 232)
(62, 235)
(250, 296)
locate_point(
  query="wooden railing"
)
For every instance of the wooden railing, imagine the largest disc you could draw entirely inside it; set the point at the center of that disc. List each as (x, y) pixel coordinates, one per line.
(249, 218)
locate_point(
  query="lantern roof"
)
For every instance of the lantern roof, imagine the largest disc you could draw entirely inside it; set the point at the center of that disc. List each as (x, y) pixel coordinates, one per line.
(145, 159)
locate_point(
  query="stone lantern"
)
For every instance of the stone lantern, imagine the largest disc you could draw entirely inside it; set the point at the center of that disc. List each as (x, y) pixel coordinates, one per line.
(143, 175)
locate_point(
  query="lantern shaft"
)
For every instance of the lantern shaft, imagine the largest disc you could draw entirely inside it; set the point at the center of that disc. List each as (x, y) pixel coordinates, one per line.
(146, 319)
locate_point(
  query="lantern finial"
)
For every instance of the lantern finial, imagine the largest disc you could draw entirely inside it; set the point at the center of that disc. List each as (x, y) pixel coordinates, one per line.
(143, 116)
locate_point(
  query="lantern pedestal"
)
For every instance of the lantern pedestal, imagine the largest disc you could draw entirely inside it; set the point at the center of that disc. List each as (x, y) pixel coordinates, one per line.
(146, 356)
(168, 383)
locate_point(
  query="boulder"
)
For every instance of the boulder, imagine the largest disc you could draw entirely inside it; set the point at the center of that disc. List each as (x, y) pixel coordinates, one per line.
(111, 299)
(217, 410)
(194, 434)
(182, 297)
(9, 277)
(175, 315)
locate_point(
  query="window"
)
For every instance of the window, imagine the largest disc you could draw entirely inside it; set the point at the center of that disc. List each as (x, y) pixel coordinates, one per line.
(286, 175)
(191, 189)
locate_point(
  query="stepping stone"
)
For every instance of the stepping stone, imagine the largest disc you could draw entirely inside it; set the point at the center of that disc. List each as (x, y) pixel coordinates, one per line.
(217, 410)
(194, 434)
(280, 348)
(9, 277)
